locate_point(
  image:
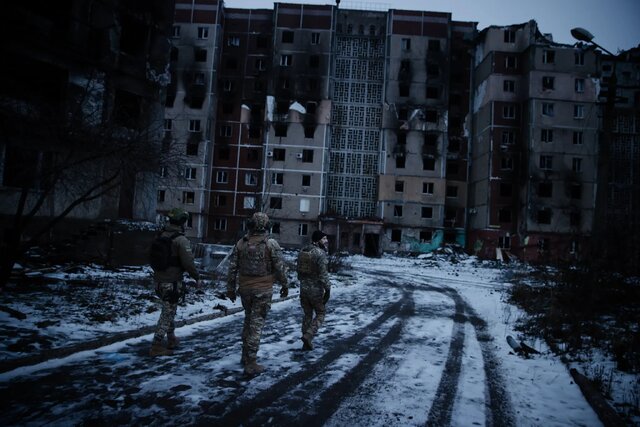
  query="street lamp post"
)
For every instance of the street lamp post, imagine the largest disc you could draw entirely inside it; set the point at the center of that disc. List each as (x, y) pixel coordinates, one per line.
(604, 152)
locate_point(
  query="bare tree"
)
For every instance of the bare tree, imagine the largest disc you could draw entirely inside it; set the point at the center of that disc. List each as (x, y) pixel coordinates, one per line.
(76, 161)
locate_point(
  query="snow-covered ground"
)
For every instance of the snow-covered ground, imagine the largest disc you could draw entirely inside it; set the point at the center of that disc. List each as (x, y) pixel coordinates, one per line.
(83, 304)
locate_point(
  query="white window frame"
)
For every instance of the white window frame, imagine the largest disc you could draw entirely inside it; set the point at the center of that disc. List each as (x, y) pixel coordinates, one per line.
(190, 173)
(430, 187)
(222, 177)
(579, 85)
(249, 202)
(578, 111)
(220, 224)
(277, 178)
(546, 162)
(250, 179)
(175, 31)
(286, 60)
(194, 125)
(233, 41)
(203, 33)
(578, 137)
(548, 55)
(303, 229)
(546, 135)
(315, 38)
(509, 112)
(405, 44)
(548, 109)
(305, 205)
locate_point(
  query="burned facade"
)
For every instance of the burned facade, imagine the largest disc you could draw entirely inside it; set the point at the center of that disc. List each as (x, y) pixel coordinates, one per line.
(423, 184)
(533, 162)
(81, 109)
(190, 112)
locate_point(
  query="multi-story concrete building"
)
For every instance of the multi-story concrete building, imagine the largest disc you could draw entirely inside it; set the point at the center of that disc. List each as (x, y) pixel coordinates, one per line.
(190, 111)
(244, 77)
(297, 129)
(620, 158)
(533, 162)
(423, 182)
(81, 106)
(352, 214)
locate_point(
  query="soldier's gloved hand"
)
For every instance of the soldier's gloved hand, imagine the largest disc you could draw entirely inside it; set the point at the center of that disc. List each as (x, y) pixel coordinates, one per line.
(284, 291)
(325, 297)
(231, 295)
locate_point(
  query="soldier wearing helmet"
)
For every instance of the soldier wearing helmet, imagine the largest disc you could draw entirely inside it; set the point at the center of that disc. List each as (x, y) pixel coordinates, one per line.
(169, 279)
(255, 264)
(315, 287)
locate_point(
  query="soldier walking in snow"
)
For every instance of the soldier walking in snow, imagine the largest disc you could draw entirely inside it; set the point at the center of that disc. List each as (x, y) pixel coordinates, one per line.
(171, 256)
(255, 264)
(315, 287)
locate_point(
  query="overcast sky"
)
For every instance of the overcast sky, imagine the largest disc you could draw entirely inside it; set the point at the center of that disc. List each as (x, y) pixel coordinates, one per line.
(614, 23)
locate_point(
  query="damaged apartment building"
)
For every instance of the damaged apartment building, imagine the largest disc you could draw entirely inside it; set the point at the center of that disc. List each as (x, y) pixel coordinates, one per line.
(535, 138)
(81, 111)
(391, 130)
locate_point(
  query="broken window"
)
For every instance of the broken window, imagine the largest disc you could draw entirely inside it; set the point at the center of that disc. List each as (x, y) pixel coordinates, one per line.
(545, 189)
(397, 211)
(544, 216)
(509, 36)
(548, 56)
(307, 156)
(306, 180)
(505, 189)
(200, 55)
(315, 38)
(279, 154)
(428, 164)
(399, 186)
(575, 191)
(426, 212)
(504, 215)
(314, 61)
(188, 197)
(275, 202)
(548, 82)
(281, 129)
(287, 36)
(433, 45)
(546, 135)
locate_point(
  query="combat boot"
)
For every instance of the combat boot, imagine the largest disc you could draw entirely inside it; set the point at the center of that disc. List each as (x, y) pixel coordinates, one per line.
(159, 350)
(252, 368)
(306, 340)
(172, 341)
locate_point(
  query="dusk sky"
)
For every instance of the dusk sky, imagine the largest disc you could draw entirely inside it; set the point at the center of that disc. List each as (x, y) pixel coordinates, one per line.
(614, 23)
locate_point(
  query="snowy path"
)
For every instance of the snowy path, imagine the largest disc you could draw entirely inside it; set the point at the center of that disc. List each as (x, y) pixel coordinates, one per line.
(397, 348)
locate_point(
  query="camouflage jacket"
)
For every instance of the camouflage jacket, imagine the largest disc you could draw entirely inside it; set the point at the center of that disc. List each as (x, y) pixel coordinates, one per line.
(181, 248)
(256, 262)
(312, 268)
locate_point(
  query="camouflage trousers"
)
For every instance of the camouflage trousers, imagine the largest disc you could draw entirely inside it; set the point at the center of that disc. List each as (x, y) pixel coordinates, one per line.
(311, 301)
(166, 324)
(256, 305)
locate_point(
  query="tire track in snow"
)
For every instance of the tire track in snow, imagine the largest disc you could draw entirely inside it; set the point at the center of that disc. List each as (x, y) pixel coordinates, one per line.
(242, 412)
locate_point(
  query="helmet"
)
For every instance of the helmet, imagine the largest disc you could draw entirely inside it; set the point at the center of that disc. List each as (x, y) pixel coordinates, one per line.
(317, 236)
(178, 216)
(259, 222)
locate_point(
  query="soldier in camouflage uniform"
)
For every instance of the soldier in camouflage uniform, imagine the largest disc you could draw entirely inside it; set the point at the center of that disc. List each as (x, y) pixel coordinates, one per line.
(169, 282)
(255, 264)
(315, 287)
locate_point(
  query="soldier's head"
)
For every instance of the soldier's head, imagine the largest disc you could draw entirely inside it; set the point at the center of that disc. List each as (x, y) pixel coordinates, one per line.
(259, 222)
(319, 238)
(178, 216)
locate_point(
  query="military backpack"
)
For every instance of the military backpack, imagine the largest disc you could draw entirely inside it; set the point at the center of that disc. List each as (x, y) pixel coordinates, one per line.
(160, 255)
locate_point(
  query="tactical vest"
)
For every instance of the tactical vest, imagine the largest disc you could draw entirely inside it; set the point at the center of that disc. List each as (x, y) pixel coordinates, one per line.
(306, 266)
(254, 259)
